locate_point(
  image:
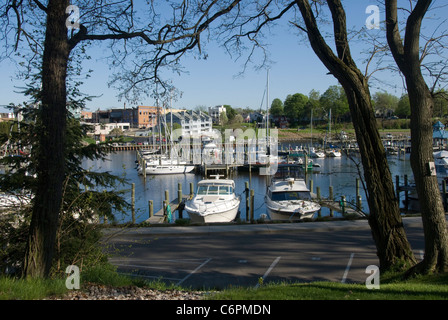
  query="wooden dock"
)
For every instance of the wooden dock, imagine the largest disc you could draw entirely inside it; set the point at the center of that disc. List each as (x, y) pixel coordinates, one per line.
(336, 206)
(161, 215)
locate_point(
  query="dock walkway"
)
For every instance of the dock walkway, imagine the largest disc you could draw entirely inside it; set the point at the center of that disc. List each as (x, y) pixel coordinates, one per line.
(161, 217)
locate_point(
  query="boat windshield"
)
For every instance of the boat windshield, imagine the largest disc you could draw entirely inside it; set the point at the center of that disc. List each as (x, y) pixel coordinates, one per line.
(202, 189)
(215, 190)
(290, 195)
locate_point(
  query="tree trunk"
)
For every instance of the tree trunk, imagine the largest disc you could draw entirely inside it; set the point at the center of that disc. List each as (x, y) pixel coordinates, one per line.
(50, 151)
(433, 213)
(393, 248)
(407, 57)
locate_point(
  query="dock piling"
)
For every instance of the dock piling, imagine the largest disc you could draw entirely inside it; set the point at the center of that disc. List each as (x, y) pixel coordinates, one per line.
(252, 201)
(133, 203)
(247, 199)
(151, 208)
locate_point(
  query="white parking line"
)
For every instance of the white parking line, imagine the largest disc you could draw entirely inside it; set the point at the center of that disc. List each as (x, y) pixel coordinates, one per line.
(344, 277)
(192, 272)
(272, 266)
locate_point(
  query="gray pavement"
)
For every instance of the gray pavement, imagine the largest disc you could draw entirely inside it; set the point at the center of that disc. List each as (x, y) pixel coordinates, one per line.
(171, 230)
(219, 256)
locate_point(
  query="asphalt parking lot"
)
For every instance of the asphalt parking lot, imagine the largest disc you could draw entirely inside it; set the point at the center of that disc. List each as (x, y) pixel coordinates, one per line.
(209, 257)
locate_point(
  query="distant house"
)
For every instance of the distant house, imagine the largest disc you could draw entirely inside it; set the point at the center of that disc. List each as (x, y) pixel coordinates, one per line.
(86, 116)
(9, 116)
(256, 117)
(100, 131)
(146, 116)
(439, 135)
(215, 113)
(280, 122)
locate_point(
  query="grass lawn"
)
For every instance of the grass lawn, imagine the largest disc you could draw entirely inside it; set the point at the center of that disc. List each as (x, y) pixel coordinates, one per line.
(420, 288)
(433, 287)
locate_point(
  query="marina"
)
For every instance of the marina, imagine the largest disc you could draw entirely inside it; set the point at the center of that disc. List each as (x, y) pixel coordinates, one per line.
(334, 180)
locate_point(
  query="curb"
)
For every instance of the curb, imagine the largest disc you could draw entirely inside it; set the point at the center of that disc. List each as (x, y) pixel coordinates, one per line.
(248, 228)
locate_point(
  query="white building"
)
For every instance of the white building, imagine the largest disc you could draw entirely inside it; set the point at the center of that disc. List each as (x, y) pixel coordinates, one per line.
(215, 113)
(106, 128)
(192, 123)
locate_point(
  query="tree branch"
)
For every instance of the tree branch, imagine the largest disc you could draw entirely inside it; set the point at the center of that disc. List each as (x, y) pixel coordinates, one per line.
(413, 26)
(40, 5)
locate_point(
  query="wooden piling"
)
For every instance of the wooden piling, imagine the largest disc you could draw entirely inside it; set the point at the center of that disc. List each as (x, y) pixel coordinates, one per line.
(406, 193)
(319, 213)
(179, 199)
(133, 203)
(343, 203)
(330, 197)
(357, 188)
(247, 199)
(165, 203)
(252, 201)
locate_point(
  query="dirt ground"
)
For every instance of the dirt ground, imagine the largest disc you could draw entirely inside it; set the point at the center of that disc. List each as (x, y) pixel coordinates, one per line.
(289, 135)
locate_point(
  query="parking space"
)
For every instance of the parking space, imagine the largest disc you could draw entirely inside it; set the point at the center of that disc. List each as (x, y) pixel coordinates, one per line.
(176, 271)
(224, 259)
(238, 260)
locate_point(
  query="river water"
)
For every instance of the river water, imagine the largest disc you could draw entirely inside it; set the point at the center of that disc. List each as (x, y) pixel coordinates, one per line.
(341, 173)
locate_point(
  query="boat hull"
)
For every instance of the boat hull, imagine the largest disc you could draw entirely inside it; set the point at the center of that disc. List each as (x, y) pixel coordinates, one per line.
(289, 215)
(206, 215)
(160, 170)
(276, 213)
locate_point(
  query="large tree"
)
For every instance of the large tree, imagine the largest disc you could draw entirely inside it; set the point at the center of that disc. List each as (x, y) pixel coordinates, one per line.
(334, 98)
(114, 20)
(393, 248)
(294, 106)
(276, 107)
(50, 168)
(408, 57)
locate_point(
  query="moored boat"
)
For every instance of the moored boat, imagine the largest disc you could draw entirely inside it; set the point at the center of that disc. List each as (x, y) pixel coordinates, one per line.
(166, 166)
(334, 153)
(215, 201)
(316, 154)
(288, 197)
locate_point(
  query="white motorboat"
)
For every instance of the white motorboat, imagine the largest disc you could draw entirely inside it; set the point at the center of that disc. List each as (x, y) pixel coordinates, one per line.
(215, 201)
(316, 154)
(288, 198)
(441, 161)
(334, 153)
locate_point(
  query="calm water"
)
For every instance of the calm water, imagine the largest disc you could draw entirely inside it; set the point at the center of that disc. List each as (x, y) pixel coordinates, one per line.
(341, 173)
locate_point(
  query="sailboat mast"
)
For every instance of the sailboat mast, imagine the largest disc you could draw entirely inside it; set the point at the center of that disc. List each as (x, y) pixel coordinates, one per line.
(267, 105)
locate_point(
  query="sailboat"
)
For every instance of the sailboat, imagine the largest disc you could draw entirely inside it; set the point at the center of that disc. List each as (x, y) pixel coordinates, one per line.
(332, 152)
(165, 164)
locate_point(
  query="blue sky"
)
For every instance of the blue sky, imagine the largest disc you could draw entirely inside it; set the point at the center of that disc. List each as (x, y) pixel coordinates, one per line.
(212, 82)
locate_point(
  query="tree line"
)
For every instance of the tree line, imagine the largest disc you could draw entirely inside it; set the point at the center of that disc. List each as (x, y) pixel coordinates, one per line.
(299, 107)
